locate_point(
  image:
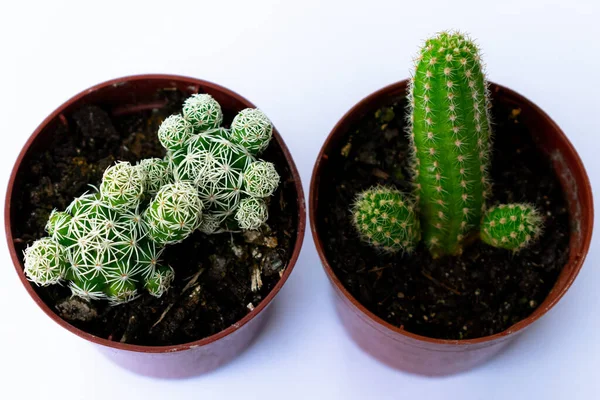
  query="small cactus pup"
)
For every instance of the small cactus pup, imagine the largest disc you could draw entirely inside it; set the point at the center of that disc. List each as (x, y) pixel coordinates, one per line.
(173, 214)
(104, 247)
(158, 174)
(511, 226)
(386, 219)
(450, 133)
(221, 163)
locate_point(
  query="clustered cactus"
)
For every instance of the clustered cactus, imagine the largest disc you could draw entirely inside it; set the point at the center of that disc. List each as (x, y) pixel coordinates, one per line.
(105, 247)
(107, 243)
(450, 134)
(221, 163)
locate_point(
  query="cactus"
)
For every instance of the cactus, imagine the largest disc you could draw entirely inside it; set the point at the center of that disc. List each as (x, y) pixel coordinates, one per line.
(173, 214)
(221, 163)
(122, 185)
(107, 243)
(202, 112)
(511, 226)
(174, 132)
(158, 174)
(252, 129)
(385, 219)
(46, 262)
(104, 247)
(261, 179)
(450, 134)
(251, 213)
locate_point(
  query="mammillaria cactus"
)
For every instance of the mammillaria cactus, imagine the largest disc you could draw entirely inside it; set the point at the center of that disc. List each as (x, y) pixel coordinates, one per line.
(384, 218)
(450, 134)
(221, 162)
(252, 129)
(46, 262)
(158, 174)
(202, 112)
(173, 214)
(107, 244)
(101, 243)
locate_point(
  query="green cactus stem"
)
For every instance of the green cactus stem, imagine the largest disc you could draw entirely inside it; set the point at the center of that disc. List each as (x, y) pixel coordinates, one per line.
(386, 219)
(251, 213)
(158, 174)
(173, 214)
(252, 129)
(46, 262)
(261, 179)
(450, 134)
(123, 185)
(511, 226)
(202, 112)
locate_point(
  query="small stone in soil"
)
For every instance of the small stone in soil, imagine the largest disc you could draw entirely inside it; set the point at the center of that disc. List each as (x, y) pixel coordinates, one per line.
(76, 309)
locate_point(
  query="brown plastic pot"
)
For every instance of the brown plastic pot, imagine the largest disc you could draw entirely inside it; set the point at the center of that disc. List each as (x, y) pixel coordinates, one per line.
(423, 355)
(131, 94)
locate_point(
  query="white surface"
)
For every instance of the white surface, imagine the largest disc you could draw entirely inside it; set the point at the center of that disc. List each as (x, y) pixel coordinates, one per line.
(304, 63)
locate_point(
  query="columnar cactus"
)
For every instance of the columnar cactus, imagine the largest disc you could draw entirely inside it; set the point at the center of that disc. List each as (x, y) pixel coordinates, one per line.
(385, 219)
(104, 247)
(511, 226)
(450, 134)
(221, 163)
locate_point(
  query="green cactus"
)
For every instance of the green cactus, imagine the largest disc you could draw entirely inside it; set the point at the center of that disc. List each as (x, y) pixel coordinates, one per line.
(160, 280)
(386, 219)
(173, 214)
(261, 179)
(46, 262)
(450, 134)
(511, 226)
(107, 244)
(202, 112)
(123, 185)
(251, 213)
(252, 129)
(221, 164)
(174, 132)
(103, 246)
(158, 174)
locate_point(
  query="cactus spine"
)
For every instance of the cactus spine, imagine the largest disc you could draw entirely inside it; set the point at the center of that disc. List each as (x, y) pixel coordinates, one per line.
(385, 219)
(450, 133)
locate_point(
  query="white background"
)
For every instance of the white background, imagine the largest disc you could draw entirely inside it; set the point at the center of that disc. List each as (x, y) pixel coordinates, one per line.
(304, 63)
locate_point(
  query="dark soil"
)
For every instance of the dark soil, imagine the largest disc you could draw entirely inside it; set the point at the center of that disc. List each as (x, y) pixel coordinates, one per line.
(212, 288)
(484, 291)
